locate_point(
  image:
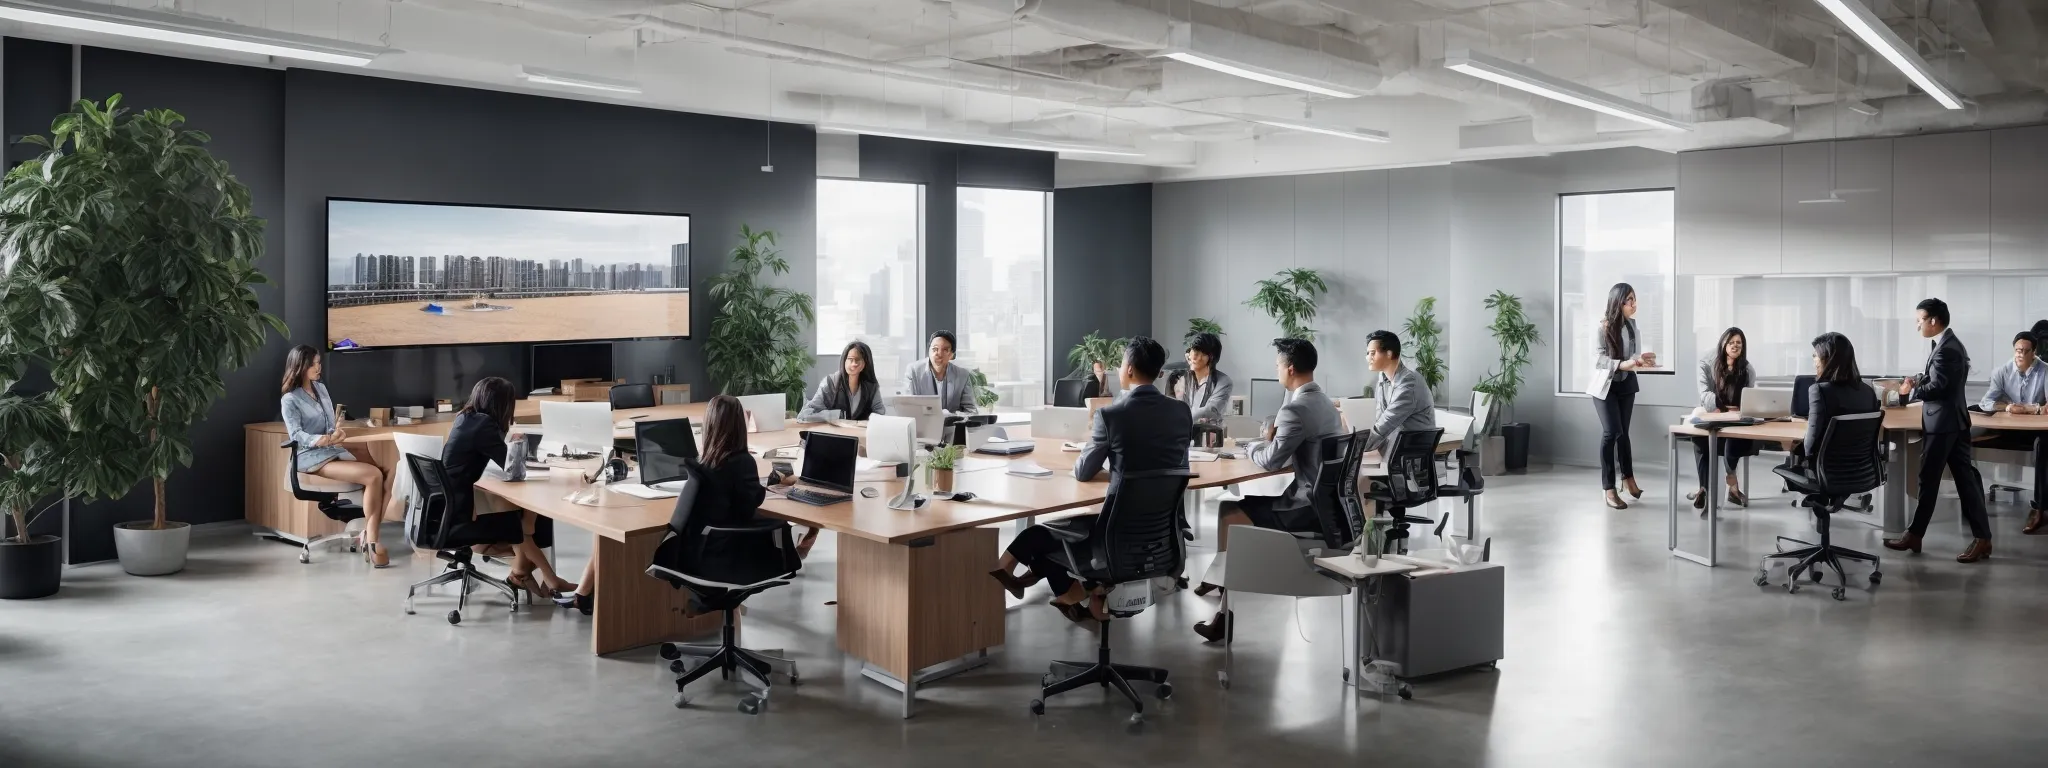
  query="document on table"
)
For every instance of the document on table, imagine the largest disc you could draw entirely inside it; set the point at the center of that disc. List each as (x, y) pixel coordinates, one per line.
(1194, 455)
(1029, 469)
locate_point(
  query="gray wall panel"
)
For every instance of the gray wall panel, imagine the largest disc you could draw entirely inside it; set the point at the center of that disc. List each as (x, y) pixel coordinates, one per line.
(1854, 235)
(1729, 214)
(1941, 213)
(2019, 188)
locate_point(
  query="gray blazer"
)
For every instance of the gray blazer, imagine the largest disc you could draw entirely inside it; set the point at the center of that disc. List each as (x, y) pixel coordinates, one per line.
(307, 420)
(1710, 400)
(827, 398)
(958, 396)
(1630, 346)
(1306, 418)
(1404, 404)
(1211, 400)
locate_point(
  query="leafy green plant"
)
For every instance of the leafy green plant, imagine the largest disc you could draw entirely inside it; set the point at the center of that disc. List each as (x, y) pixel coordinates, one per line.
(945, 456)
(1426, 336)
(1095, 349)
(31, 433)
(1515, 333)
(985, 396)
(1289, 297)
(1200, 325)
(755, 346)
(147, 241)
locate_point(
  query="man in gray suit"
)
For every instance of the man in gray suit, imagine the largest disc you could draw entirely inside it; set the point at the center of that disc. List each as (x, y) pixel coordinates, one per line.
(1294, 437)
(1404, 399)
(937, 375)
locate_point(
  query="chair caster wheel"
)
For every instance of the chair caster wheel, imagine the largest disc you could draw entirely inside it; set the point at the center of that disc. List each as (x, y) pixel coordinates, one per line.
(1792, 585)
(750, 705)
(1164, 691)
(303, 559)
(680, 701)
(678, 666)
(1180, 583)
(1875, 577)
(1840, 593)
(795, 681)
(1137, 718)
(1763, 578)
(408, 608)
(1223, 679)
(1815, 576)
(1407, 692)
(454, 617)
(352, 548)
(670, 652)
(1038, 706)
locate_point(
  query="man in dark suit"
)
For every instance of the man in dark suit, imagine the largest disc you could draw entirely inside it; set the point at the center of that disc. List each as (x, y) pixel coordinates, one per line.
(1142, 431)
(1945, 418)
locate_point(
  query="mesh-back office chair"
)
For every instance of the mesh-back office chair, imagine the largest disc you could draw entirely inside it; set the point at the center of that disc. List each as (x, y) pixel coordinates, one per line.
(1849, 461)
(326, 495)
(632, 396)
(1410, 483)
(1071, 393)
(450, 536)
(1135, 539)
(1468, 462)
(722, 566)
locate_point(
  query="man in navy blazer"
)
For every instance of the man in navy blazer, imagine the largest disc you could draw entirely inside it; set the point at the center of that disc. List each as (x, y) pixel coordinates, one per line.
(1945, 418)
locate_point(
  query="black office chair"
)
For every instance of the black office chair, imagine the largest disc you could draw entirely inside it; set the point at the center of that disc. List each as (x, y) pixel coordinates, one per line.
(632, 396)
(1410, 483)
(722, 566)
(1467, 462)
(325, 493)
(1849, 462)
(1135, 539)
(1071, 393)
(1347, 522)
(450, 536)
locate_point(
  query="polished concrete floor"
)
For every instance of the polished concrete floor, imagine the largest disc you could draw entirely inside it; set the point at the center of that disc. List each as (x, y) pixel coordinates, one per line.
(1617, 654)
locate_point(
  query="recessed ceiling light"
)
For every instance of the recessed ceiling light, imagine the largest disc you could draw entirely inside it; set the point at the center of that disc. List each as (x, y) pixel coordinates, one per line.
(1355, 134)
(1872, 31)
(1250, 73)
(184, 30)
(573, 80)
(1522, 78)
(1006, 142)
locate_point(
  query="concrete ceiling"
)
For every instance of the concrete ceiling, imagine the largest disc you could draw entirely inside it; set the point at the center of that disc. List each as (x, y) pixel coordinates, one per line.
(1744, 71)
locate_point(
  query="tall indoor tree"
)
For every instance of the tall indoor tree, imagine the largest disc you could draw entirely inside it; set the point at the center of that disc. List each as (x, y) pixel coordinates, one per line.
(756, 345)
(150, 240)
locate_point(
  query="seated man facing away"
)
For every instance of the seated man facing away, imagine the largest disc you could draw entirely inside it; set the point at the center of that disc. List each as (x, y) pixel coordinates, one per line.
(1295, 437)
(1143, 431)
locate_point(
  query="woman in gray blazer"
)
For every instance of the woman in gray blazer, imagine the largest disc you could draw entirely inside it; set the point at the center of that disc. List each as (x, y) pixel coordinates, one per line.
(937, 375)
(1616, 342)
(309, 418)
(852, 392)
(1724, 373)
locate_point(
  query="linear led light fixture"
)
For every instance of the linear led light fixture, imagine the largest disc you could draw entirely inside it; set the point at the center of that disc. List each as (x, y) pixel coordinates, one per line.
(1355, 134)
(1006, 142)
(184, 30)
(573, 80)
(1879, 37)
(1522, 78)
(1269, 78)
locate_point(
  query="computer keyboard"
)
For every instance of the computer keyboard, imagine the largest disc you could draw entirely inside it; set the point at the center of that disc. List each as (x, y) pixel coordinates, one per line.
(816, 498)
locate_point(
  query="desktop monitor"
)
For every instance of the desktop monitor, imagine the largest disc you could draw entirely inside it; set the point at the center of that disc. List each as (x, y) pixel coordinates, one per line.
(768, 411)
(829, 461)
(925, 409)
(892, 439)
(577, 427)
(553, 364)
(661, 448)
(1266, 398)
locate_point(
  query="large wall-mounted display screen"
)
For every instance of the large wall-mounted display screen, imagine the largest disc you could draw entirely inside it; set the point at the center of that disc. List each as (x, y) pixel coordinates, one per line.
(424, 274)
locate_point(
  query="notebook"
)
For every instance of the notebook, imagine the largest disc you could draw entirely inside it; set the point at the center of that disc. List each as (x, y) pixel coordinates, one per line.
(1029, 469)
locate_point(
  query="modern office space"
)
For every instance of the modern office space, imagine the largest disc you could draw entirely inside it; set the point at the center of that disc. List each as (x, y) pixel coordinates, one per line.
(770, 382)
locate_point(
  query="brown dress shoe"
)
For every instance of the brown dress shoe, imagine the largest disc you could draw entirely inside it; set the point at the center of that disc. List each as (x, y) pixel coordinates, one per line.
(1216, 629)
(1910, 541)
(1979, 549)
(2035, 523)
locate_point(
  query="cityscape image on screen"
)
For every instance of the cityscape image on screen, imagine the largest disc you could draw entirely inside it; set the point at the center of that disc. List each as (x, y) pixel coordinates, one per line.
(413, 274)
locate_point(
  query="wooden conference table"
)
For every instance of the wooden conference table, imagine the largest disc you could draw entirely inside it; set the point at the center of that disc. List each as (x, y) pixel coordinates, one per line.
(914, 600)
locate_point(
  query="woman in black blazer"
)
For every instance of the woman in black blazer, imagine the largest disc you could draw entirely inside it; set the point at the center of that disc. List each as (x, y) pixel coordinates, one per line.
(1838, 389)
(478, 439)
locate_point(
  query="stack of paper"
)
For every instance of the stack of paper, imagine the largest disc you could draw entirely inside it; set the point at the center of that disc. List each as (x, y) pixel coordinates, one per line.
(1194, 455)
(1029, 469)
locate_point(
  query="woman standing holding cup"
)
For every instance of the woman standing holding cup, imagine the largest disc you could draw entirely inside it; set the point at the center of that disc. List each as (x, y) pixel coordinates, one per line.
(1619, 356)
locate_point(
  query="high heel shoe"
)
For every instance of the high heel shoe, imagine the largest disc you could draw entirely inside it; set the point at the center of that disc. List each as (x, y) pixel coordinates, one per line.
(1634, 490)
(1614, 501)
(579, 601)
(376, 555)
(1736, 498)
(1012, 583)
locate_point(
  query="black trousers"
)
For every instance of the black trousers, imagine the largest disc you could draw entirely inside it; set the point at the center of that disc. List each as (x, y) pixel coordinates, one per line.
(1733, 449)
(1615, 411)
(2021, 442)
(1951, 451)
(1035, 547)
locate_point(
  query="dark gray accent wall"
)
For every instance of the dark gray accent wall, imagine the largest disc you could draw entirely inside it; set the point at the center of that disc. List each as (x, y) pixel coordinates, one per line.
(1102, 269)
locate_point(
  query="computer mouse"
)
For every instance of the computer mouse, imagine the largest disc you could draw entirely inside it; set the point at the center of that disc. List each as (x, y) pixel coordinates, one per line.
(869, 492)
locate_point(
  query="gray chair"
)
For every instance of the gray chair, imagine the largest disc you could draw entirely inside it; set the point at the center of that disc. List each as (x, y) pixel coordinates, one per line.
(326, 495)
(1466, 463)
(1268, 562)
(626, 396)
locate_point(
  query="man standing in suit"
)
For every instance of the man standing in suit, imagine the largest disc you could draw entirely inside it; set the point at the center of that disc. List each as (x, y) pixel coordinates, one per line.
(1295, 437)
(1143, 431)
(1945, 419)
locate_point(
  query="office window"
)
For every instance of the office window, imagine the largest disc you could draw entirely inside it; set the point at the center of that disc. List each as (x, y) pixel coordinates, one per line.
(1002, 288)
(1781, 315)
(869, 253)
(1603, 239)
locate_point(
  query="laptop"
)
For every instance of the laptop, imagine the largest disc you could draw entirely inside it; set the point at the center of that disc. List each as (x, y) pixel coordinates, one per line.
(827, 474)
(660, 447)
(1060, 423)
(1760, 403)
(931, 419)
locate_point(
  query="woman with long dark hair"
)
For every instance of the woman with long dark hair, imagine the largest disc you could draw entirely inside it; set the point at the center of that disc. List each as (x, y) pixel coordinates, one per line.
(1724, 373)
(852, 392)
(1619, 349)
(1838, 390)
(309, 418)
(478, 438)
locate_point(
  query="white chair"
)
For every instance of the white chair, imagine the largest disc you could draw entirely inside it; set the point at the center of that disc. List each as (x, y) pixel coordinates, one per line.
(1267, 562)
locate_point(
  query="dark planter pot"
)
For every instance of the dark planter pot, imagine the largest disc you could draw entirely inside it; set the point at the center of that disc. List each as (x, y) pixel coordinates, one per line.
(1517, 448)
(32, 570)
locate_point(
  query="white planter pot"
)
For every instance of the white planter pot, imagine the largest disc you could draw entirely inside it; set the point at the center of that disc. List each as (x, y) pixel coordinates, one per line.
(1493, 460)
(147, 552)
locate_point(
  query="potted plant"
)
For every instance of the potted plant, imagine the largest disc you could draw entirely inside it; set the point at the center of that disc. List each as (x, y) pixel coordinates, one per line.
(1200, 325)
(755, 345)
(1514, 332)
(1095, 350)
(985, 396)
(152, 240)
(30, 426)
(1426, 338)
(1289, 297)
(941, 465)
